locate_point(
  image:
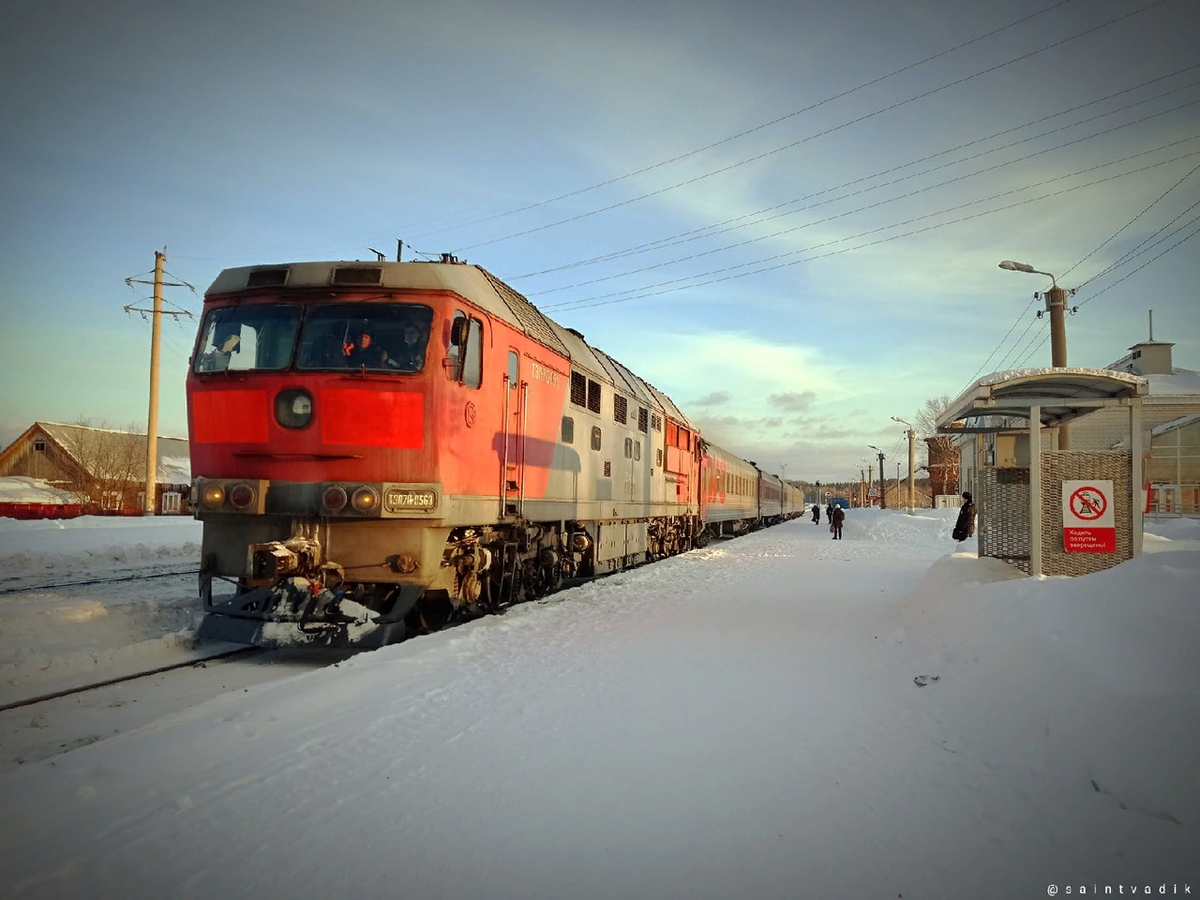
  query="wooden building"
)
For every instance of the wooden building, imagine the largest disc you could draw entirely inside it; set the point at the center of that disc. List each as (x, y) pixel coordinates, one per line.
(102, 467)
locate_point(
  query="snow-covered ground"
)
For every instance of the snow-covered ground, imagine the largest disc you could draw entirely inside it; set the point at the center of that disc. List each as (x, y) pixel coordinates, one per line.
(743, 720)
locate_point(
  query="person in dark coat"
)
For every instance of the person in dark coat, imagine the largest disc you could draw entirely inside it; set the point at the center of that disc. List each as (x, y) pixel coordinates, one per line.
(816, 514)
(364, 352)
(965, 526)
(839, 516)
(829, 508)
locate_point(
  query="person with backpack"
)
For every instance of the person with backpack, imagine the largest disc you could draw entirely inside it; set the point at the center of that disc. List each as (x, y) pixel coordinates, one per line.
(965, 526)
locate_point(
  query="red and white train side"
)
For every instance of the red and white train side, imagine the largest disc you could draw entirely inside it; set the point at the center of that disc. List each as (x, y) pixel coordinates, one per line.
(487, 461)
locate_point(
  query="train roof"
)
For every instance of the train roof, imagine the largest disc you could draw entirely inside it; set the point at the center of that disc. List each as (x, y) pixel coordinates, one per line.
(471, 282)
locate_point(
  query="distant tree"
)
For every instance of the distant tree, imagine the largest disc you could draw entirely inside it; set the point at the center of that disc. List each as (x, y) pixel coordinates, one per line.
(941, 453)
(112, 464)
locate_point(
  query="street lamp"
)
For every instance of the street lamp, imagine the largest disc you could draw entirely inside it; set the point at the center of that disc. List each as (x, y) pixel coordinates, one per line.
(882, 490)
(1056, 303)
(911, 453)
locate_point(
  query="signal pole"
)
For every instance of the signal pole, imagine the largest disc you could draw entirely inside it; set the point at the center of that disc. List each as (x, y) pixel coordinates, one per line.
(148, 507)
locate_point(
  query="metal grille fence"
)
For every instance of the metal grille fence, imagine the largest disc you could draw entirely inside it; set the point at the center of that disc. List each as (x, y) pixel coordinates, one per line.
(1003, 498)
(1080, 465)
(1003, 503)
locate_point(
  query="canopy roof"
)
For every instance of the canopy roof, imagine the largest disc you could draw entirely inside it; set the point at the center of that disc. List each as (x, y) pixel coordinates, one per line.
(1062, 394)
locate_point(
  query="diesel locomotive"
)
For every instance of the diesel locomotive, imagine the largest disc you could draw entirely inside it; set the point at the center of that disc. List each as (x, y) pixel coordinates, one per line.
(378, 448)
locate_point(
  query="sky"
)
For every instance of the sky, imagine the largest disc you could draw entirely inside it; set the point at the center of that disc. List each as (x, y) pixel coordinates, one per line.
(788, 218)
(639, 736)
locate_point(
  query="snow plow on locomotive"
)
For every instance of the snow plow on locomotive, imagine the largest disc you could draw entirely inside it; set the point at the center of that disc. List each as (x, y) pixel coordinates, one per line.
(379, 448)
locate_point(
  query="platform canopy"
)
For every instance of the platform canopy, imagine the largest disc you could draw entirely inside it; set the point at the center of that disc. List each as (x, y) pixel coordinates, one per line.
(1059, 395)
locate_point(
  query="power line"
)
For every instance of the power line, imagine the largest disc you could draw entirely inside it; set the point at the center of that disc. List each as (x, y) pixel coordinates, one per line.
(756, 128)
(677, 284)
(718, 228)
(827, 131)
(1131, 221)
(897, 198)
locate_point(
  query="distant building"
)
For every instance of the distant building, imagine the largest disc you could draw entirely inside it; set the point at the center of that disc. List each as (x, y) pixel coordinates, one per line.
(103, 469)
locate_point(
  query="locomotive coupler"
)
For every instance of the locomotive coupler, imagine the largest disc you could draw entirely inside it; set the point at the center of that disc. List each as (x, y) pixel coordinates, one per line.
(275, 559)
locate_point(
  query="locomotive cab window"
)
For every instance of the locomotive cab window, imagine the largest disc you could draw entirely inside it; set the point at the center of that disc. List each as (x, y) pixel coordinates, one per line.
(246, 338)
(391, 337)
(514, 369)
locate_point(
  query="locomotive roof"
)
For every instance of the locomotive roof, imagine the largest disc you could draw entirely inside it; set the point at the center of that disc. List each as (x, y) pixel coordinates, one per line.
(473, 283)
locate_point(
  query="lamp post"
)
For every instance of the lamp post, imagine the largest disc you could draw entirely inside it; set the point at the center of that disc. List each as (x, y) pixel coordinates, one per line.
(1056, 303)
(882, 491)
(912, 437)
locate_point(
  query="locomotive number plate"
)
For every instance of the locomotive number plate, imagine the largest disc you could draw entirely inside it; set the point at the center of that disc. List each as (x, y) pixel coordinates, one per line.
(400, 499)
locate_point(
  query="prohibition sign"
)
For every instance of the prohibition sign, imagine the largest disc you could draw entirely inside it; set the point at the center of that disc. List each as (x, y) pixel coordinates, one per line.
(1088, 504)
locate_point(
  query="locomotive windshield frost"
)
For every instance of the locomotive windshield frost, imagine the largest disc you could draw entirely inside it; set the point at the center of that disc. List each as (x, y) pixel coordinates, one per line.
(379, 449)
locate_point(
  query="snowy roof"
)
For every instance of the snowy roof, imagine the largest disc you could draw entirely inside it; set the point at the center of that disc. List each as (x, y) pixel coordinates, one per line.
(174, 458)
(1180, 383)
(20, 489)
(1063, 394)
(1181, 422)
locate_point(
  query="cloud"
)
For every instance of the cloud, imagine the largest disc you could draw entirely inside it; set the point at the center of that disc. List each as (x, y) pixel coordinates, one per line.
(716, 398)
(795, 402)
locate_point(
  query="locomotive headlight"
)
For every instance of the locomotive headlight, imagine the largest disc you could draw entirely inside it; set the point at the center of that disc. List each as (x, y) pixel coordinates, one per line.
(241, 496)
(293, 408)
(365, 500)
(334, 499)
(213, 496)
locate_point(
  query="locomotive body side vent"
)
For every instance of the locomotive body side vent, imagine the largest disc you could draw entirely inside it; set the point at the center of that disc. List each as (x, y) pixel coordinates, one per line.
(268, 278)
(357, 275)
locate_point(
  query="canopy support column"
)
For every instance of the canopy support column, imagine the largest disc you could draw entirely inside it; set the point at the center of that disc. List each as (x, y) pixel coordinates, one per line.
(1035, 490)
(1135, 445)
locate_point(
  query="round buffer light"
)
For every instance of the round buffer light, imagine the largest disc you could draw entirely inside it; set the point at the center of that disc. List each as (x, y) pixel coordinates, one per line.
(293, 408)
(241, 496)
(334, 499)
(365, 500)
(213, 496)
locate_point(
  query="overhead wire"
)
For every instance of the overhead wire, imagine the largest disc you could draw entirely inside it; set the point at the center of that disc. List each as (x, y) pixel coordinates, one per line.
(764, 125)
(677, 284)
(897, 105)
(877, 204)
(718, 228)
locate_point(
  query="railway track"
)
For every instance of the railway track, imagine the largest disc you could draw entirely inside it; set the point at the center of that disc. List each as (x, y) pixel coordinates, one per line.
(54, 695)
(24, 588)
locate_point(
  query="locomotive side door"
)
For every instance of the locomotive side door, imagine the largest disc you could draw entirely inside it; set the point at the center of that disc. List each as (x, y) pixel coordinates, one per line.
(515, 425)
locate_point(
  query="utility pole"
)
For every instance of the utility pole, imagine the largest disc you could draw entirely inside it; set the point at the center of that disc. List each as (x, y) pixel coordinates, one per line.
(882, 486)
(1056, 305)
(148, 507)
(152, 423)
(912, 437)
(912, 489)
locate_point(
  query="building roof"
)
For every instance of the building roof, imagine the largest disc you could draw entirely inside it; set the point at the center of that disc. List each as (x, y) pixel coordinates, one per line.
(1062, 393)
(174, 459)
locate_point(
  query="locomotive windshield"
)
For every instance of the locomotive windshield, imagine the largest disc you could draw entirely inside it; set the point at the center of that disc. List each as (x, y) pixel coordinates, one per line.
(386, 337)
(244, 338)
(391, 337)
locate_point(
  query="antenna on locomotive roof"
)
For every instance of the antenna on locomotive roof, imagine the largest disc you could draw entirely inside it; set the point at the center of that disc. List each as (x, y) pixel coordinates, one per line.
(378, 255)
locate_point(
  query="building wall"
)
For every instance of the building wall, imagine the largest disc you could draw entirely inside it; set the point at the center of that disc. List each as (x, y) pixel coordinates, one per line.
(48, 463)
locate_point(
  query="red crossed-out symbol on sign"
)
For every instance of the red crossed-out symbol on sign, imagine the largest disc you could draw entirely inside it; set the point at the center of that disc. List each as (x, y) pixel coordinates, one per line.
(1088, 503)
